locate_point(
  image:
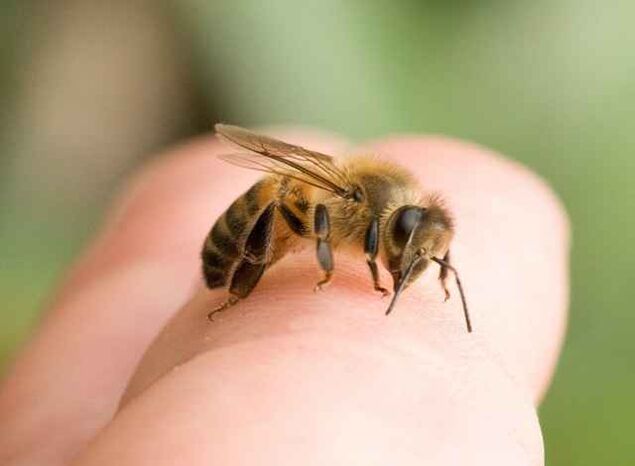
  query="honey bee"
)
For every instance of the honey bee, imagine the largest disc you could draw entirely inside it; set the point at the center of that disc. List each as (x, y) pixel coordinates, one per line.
(358, 203)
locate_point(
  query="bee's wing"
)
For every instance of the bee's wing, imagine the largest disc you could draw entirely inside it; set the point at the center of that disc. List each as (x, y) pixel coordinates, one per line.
(273, 156)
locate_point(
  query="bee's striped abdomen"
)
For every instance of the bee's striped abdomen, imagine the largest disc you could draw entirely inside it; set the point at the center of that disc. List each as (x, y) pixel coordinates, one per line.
(224, 244)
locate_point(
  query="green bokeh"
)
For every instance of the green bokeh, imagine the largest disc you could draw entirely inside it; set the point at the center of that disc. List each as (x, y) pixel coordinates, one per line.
(549, 83)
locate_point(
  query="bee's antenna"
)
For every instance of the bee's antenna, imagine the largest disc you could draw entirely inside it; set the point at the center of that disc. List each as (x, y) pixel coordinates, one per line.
(402, 283)
(445, 264)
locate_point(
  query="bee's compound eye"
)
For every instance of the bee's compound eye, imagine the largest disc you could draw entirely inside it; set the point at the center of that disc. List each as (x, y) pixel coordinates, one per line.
(407, 218)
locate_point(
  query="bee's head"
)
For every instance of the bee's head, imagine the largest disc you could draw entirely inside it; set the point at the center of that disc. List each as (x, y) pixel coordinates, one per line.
(413, 235)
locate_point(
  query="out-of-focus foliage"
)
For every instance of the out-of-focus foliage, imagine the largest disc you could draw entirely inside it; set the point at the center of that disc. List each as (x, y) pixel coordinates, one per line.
(547, 82)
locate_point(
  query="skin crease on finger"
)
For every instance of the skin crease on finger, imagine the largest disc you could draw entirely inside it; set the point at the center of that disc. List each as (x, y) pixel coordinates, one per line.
(288, 372)
(292, 377)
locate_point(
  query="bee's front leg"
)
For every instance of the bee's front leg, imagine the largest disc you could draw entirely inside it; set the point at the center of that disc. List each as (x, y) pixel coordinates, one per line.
(371, 247)
(322, 229)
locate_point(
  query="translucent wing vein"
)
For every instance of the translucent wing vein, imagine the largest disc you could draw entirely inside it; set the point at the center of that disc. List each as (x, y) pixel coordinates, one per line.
(273, 156)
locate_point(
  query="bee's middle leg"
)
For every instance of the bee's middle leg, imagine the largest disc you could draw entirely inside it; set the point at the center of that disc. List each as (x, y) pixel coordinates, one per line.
(371, 247)
(254, 262)
(322, 229)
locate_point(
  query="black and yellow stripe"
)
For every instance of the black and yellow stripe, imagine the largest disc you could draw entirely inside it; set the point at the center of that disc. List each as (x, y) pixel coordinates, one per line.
(223, 249)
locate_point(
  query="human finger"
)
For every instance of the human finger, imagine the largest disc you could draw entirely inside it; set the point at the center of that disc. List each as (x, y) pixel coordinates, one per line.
(410, 387)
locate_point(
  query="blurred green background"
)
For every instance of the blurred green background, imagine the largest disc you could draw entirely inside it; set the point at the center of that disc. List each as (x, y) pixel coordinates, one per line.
(90, 88)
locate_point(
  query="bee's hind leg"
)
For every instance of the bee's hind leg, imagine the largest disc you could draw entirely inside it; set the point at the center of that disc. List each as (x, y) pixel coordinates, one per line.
(233, 299)
(254, 262)
(371, 247)
(322, 229)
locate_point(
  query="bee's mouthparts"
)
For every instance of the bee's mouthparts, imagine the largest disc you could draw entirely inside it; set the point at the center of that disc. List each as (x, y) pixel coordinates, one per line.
(400, 282)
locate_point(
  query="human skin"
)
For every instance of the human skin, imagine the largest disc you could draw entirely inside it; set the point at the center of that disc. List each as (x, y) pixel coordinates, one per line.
(289, 376)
